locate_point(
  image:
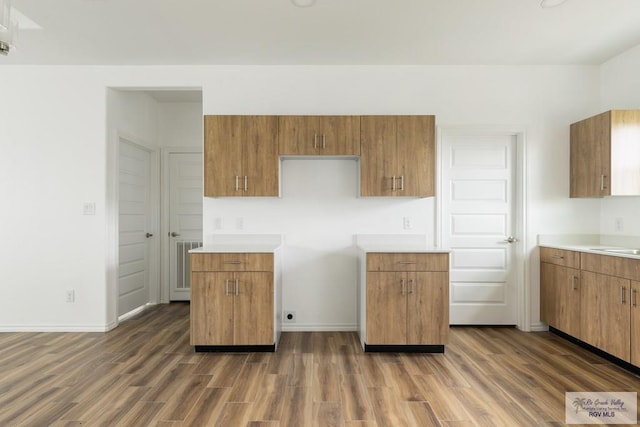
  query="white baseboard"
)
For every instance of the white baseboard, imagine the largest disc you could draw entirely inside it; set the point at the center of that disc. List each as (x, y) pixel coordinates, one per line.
(539, 327)
(316, 327)
(56, 328)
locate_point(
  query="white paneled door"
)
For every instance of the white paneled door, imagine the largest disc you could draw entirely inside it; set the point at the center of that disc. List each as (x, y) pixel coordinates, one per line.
(478, 224)
(185, 219)
(134, 195)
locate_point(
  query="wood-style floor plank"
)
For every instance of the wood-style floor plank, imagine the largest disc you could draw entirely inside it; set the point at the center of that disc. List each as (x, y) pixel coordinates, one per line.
(145, 373)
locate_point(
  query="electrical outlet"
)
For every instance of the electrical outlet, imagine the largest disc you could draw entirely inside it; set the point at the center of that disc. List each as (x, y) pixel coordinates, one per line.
(71, 295)
(89, 208)
(619, 225)
(290, 316)
(406, 223)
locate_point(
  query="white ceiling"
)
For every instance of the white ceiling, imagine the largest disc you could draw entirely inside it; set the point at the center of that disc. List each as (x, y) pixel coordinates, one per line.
(166, 32)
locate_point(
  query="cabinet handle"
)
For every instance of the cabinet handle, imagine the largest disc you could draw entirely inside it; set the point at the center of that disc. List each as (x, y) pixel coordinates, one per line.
(623, 292)
(226, 287)
(324, 141)
(574, 283)
(634, 303)
(237, 292)
(411, 286)
(557, 257)
(407, 262)
(315, 140)
(602, 177)
(402, 183)
(246, 179)
(232, 262)
(237, 182)
(393, 183)
(403, 286)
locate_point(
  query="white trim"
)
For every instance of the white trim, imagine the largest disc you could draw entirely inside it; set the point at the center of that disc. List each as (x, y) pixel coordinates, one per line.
(538, 327)
(165, 152)
(135, 312)
(523, 303)
(319, 327)
(56, 328)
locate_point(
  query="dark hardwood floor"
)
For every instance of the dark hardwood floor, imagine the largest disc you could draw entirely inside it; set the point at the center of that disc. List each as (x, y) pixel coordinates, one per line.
(145, 373)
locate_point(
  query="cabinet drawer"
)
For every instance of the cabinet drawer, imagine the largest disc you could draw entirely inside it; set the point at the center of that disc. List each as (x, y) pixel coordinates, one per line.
(232, 262)
(560, 257)
(610, 265)
(407, 262)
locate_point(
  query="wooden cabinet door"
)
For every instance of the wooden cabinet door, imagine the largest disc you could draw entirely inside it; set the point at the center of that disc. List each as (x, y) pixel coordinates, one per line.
(416, 156)
(339, 135)
(222, 156)
(386, 308)
(427, 308)
(298, 135)
(211, 311)
(253, 308)
(560, 298)
(590, 157)
(635, 323)
(605, 314)
(378, 163)
(548, 298)
(260, 156)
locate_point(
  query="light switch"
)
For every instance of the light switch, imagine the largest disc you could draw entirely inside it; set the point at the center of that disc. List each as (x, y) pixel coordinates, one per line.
(89, 208)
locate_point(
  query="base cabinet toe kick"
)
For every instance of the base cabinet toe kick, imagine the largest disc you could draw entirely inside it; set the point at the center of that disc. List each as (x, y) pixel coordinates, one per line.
(404, 301)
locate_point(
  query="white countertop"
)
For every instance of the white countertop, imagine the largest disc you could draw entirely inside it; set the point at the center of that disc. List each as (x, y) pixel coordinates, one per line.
(236, 248)
(401, 248)
(591, 243)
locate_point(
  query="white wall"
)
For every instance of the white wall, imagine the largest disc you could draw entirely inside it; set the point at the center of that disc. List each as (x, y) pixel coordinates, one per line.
(620, 89)
(179, 124)
(54, 156)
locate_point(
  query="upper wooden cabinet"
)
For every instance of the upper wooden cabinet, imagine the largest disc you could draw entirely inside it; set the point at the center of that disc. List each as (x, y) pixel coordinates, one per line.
(240, 156)
(605, 155)
(397, 156)
(319, 135)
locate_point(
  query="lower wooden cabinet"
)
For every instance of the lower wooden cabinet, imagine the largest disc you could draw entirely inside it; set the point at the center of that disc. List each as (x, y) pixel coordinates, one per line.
(405, 307)
(560, 289)
(231, 306)
(594, 298)
(635, 323)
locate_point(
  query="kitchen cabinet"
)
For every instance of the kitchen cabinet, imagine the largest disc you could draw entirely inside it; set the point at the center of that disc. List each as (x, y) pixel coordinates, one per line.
(406, 303)
(241, 156)
(233, 301)
(605, 155)
(635, 323)
(319, 135)
(560, 289)
(397, 156)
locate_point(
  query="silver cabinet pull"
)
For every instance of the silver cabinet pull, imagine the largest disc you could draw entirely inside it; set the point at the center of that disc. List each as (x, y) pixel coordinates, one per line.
(237, 291)
(245, 182)
(315, 140)
(623, 292)
(232, 262)
(237, 177)
(602, 187)
(411, 286)
(407, 262)
(574, 283)
(557, 257)
(324, 141)
(634, 303)
(403, 287)
(226, 287)
(401, 182)
(393, 183)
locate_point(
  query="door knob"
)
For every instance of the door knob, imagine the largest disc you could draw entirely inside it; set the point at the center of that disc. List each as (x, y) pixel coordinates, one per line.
(149, 235)
(174, 234)
(510, 239)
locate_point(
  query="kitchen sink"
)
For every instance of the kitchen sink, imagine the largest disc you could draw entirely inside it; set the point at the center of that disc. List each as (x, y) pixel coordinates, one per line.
(623, 251)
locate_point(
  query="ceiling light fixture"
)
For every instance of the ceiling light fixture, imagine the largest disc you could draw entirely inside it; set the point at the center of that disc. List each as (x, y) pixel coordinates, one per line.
(303, 3)
(8, 28)
(545, 4)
